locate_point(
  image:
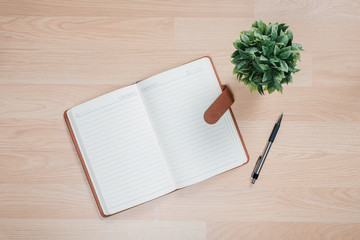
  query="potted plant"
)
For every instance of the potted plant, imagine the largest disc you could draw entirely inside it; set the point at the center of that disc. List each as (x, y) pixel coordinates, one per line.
(266, 57)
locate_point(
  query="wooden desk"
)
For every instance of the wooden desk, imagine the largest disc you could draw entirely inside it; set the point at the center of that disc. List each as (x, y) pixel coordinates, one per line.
(55, 54)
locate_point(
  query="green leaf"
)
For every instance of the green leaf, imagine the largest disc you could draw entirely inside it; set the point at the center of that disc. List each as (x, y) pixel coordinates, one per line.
(264, 67)
(284, 40)
(245, 55)
(252, 87)
(257, 67)
(268, 29)
(279, 39)
(257, 32)
(242, 65)
(265, 38)
(251, 76)
(261, 26)
(295, 49)
(239, 76)
(236, 53)
(290, 79)
(236, 60)
(283, 27)
(254, 25)
(286, 80)
(276, 75)
(265, 51)
(239, 44)
(251, 36)
(247, 33)
(283, 66)
(276, 50)
(290, 36)
(298, 46)
(270, 45)
(284, 49)
(267, 76)
(290, 66)
(256, 79)
(273, 33)
(260, 90)
(278, 86)
(251, 50)
(245, 38)
(271, 90)
(234, 70)
(262, 58)
(236, 43)
(270, 87)
(285, 55)
(274, 60)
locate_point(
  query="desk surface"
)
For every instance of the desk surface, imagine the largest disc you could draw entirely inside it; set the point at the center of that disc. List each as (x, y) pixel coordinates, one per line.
(56, 54)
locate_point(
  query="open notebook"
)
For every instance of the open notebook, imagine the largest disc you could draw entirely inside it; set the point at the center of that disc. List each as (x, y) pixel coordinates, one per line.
(150, 138)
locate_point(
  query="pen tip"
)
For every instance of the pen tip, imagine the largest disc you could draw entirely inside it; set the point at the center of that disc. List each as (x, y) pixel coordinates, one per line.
(253, 180)
(281, 116)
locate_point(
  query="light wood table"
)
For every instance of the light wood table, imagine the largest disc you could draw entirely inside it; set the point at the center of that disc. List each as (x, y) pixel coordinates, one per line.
(55, 54)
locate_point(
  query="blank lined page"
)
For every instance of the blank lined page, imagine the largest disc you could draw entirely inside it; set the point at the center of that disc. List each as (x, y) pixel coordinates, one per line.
(176, 101)
(120, 150)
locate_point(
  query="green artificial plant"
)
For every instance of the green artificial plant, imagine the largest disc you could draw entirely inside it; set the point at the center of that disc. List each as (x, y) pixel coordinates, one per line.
(265, 57)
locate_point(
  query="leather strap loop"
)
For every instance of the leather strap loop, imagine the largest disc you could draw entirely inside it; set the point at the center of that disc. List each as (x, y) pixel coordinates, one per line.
(219, 106)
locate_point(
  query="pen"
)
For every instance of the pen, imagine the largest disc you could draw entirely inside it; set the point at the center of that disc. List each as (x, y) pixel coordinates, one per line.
(261, 160)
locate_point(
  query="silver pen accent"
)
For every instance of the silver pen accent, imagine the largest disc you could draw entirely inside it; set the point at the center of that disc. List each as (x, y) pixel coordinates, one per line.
(261, 160)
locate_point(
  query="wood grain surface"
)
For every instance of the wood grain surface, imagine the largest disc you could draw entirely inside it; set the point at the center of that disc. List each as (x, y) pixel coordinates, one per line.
(55, 54)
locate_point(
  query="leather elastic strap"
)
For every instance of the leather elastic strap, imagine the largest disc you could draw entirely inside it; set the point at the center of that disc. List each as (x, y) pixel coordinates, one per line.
(219, 106)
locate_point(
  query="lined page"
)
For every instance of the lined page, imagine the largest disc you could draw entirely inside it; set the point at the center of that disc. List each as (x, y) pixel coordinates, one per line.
(120, 150)
(176, 101)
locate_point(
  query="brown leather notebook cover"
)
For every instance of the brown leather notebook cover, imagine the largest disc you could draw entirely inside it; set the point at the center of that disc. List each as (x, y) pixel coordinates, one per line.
(211, 116)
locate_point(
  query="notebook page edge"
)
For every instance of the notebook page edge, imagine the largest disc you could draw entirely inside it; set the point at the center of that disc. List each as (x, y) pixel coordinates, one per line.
(88, 171)
(86, 163)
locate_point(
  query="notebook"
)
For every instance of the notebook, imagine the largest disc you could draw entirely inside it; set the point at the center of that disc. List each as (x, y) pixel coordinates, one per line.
(150, 138)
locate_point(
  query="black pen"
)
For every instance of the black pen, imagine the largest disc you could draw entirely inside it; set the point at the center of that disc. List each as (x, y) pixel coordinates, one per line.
(261, 160)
